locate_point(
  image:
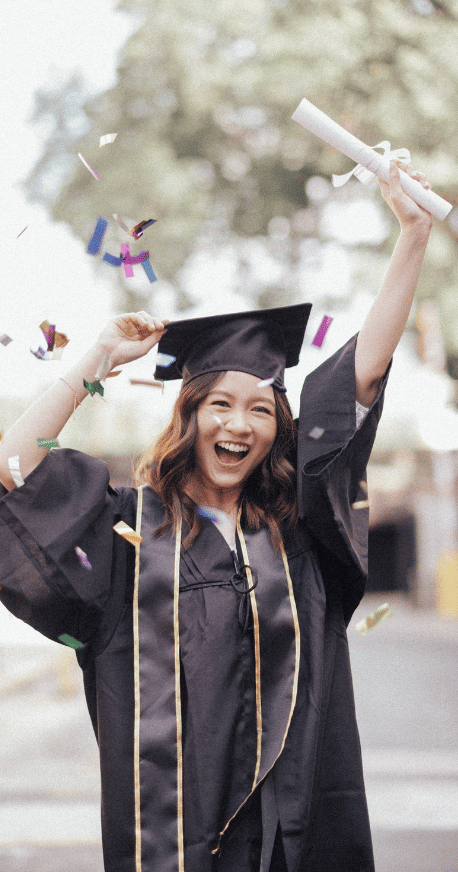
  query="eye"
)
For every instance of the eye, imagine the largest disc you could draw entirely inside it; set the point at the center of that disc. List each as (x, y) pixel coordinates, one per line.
(220, 403)
(262, 409)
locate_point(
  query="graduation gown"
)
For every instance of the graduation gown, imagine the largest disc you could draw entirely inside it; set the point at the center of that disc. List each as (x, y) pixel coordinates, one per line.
(247, 696)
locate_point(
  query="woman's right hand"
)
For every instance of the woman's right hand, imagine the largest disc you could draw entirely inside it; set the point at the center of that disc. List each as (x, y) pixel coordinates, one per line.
(131, 336)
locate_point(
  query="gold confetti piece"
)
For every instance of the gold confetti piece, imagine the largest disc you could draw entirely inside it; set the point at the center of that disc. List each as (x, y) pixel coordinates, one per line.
(373, 619)
(154, 383)
(108, 137)
(316, 432)
(360, 504)
(127, 532)
(121, 223)
(363, 486)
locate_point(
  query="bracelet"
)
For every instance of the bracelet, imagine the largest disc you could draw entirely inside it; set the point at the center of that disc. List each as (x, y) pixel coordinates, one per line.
(77, 402)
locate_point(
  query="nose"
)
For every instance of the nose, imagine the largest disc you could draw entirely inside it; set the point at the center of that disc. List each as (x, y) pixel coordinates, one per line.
(237, 422)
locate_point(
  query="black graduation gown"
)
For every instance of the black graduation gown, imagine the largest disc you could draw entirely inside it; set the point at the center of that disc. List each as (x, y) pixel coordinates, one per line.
(316, 775)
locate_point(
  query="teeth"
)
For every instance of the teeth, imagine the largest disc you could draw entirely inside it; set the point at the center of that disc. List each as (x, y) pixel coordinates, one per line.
(229, 446)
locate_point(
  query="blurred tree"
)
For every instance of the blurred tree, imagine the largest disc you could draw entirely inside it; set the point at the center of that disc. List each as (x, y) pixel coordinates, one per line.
(202, 107)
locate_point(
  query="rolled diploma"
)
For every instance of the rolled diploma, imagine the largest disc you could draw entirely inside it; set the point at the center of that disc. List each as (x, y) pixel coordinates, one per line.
(321, 125)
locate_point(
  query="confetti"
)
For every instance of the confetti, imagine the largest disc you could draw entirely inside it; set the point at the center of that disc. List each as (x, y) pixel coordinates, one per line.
(106, 138)
(111, 258)
(218, 420)
(137, 258)
(82, 558)
(363, 486)
(360, 504)
(13, 463)
(48, 443)
(322, 330)
(373, 619)
(137, 231)
(215, 515)
(149, 270)
(104, 366)
(96, 238)
(140, 381)
(22, 231)
(96, 175)
(121, 223)
(265, 383)
(5, 340)
(70, 641)
(164, 359)
(128, 533)
(128, 268)
(48, 331)
(41, 354)
(94, 387)
(316, 432)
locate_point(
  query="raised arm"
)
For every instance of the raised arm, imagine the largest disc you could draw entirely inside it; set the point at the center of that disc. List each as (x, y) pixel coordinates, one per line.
(388, 315)
(124, 339)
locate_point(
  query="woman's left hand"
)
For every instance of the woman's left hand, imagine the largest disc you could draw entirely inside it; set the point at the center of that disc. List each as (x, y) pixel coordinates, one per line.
(407, 211)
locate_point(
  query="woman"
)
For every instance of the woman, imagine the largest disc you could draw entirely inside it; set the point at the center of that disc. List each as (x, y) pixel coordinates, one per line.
(216, 672)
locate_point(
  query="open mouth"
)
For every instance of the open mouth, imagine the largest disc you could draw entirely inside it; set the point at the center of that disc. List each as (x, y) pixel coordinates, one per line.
(230, 453)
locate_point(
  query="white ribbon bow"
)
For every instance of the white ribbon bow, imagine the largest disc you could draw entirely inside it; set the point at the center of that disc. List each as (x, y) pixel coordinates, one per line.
(365, 175)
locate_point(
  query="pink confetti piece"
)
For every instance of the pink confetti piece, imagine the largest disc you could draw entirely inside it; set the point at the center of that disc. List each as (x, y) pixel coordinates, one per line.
(316, 432)
(322, 330)
(128, 268)
(96, 175)
(265, 383)
(107, 138)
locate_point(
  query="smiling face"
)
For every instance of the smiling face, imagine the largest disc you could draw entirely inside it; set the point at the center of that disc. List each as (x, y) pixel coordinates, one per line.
(236, 428)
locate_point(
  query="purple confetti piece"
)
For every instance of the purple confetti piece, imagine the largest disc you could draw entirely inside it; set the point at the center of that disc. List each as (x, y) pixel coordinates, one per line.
(83, 558)
(137, 258)
(322, 330)
(5, 340)
(41, 354)
(96, 238)
(110, 258)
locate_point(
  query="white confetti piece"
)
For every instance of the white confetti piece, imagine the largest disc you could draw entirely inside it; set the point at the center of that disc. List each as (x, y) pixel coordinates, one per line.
(13, 463)
(316, 432)
(373, 619)
(165, 359)
(106, 138)
(265, 383)
(88, 166)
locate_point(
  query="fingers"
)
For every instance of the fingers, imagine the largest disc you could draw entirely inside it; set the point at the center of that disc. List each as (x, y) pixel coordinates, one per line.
(414, 174)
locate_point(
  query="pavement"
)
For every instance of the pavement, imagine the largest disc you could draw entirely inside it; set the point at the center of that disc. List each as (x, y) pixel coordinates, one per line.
(407, 703)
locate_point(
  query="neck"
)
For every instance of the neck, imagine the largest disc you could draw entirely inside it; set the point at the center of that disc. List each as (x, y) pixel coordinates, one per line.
(225, 500)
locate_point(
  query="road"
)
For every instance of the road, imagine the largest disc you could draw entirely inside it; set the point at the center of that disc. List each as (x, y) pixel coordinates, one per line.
(406, 696)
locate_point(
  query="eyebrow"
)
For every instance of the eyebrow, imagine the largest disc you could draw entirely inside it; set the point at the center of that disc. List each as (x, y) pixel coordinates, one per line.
(251, 399)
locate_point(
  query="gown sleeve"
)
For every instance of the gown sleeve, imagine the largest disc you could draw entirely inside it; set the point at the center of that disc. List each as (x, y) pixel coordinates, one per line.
(66, 502)
(333, 453)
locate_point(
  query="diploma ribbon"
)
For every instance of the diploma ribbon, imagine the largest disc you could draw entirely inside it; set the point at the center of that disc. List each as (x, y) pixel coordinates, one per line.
(366, 175)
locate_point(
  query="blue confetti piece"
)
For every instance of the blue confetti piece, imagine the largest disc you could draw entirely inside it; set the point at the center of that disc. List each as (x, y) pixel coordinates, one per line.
(41, 354)
(148, 269)
(110, 258)
(96, 238)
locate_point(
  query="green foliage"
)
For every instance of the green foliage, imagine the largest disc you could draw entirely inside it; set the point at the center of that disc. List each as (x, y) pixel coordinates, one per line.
(203, 103)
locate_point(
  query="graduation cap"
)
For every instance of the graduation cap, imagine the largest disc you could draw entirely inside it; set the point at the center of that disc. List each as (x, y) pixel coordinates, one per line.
(262, 342)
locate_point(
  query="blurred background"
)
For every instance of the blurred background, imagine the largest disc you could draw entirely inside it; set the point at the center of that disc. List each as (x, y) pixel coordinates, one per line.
(201, 96)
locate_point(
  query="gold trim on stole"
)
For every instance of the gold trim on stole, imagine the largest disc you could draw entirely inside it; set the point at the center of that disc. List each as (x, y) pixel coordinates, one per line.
(138, 823)
(258, 668)
(176, 636)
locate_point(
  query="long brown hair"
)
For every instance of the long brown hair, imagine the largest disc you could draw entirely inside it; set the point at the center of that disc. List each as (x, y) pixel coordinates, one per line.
(269, 494)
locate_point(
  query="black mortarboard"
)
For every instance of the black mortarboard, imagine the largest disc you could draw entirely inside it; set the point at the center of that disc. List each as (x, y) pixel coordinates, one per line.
(262, 343)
